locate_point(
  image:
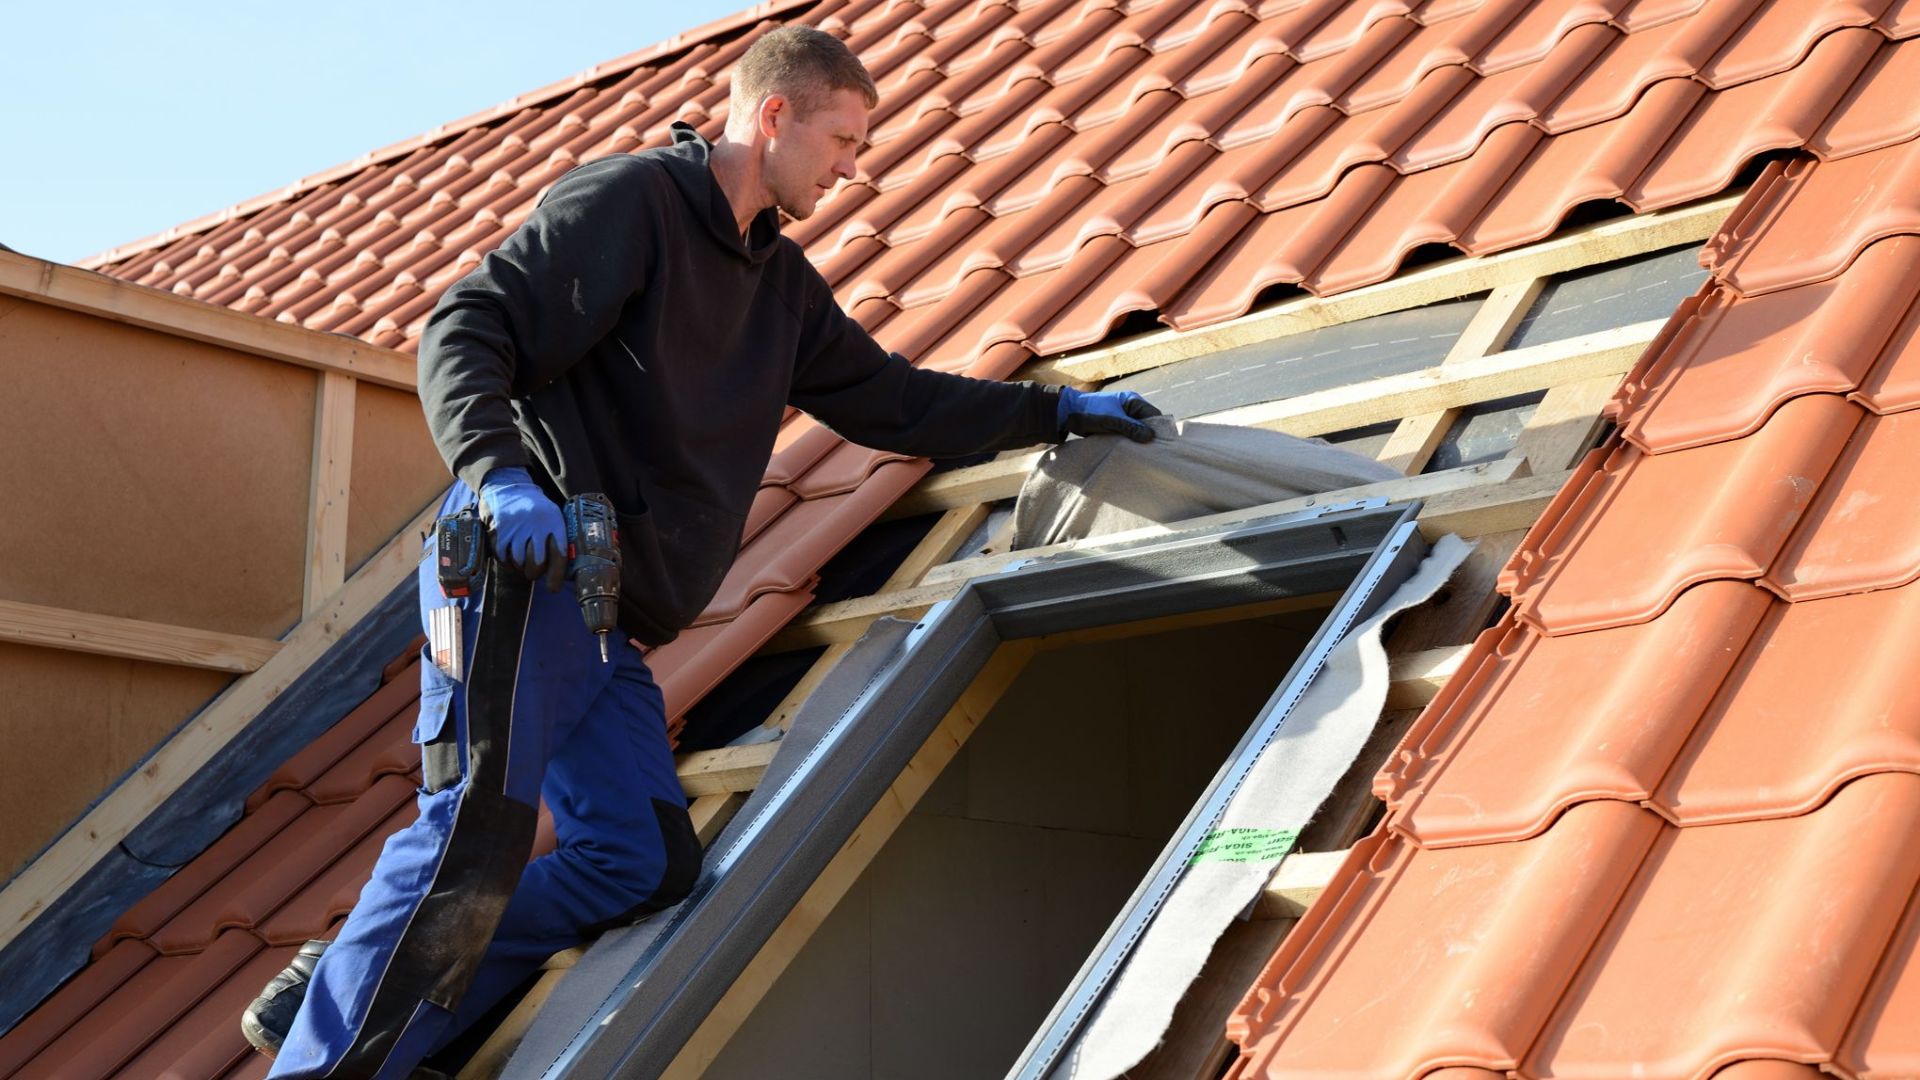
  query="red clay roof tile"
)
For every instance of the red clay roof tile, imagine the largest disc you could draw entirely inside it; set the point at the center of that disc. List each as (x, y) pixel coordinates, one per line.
(277, 872)
(1755, 753)
(107, 1036)
(1466, 951)
(1590, 164)
(1854, 536)
(1555, 721)
(1729, 128)
(1514, 96)
(1678, 987)
(388, 752)
(1536, 30)
(1894, 383)
(1875, 113)
(1732, 361)
(1429, 207)
(1613, 553)
(395, 696)
(1618, 76)
(1668, 677)
(1812, 218)
(253, 832)
(1772, 38)
(698, 659)
(81, 997)
(206, 1041)
(328, 897)
(1884, 1042)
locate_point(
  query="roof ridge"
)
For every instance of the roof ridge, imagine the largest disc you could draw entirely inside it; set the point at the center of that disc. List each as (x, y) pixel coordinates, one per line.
(611, 68)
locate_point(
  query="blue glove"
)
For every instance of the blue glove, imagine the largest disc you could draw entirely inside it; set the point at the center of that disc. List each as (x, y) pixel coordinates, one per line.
(1109, 412)
(528, 533)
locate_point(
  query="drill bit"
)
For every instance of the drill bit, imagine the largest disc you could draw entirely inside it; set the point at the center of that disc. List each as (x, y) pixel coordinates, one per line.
(603, 648)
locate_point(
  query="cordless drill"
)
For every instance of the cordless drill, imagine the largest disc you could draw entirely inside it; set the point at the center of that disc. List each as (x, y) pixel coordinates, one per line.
(593, 562)
(593, 558)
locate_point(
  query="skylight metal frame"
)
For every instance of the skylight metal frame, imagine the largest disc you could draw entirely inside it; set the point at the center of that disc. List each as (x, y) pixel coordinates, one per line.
(656, 982)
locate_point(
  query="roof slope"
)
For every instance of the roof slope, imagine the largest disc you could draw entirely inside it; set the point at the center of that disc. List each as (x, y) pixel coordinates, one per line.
(1039, 171)
(1662, 822)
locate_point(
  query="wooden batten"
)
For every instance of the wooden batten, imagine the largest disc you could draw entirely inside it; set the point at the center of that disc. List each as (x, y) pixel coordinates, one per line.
(1449, 280)
(328, 489)
(1449, 386)
(106, 635)
(104, 297)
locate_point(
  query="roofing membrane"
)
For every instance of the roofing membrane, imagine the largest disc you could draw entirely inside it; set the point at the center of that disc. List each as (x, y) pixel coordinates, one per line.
(1041, 171)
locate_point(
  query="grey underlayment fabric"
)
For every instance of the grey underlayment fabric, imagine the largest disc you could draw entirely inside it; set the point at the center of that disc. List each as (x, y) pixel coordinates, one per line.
(1087, 487)
(1292, 776)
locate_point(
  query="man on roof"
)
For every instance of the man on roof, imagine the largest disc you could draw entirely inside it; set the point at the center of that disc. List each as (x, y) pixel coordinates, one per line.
(640, 335)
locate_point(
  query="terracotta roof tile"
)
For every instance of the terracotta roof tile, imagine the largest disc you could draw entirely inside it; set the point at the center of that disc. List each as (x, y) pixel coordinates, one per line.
(1561, 720)
(1733, 361)
(278, 871)
(698, 659)
(253, 832)
(328, 897)
(1433, 206)
(1851, 538)
(786, 556)
(80, 998)
(1771, 983)
(1770, 38)
(1536, 29)
(206, 1041)
(1755, 754)
(162, 992)
(1894, 383)
(1874, 113)
(1812, 219)
(1610, 553)
(1467, 951)
(1885, 1039)
(397, 695)
(388, 752)
(1778, 112)
(1590, 164)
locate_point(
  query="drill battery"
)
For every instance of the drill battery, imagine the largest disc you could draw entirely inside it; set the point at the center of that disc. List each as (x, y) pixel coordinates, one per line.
(460, 540)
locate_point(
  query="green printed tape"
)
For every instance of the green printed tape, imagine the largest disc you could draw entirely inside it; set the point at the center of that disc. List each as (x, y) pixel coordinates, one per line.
(1245, 845)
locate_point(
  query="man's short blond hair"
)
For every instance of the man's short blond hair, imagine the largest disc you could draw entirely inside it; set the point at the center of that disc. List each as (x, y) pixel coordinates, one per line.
(803, 64)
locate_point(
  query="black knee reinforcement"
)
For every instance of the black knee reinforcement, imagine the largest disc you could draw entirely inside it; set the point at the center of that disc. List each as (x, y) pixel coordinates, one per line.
(681, 847)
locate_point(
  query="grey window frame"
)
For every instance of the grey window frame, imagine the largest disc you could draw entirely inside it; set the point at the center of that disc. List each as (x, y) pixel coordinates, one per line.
(630, 1005)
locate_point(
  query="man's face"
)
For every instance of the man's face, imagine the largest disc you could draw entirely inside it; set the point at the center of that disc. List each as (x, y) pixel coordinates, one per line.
(808, 154)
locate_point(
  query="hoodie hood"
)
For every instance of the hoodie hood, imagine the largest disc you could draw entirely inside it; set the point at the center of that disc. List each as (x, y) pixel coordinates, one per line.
(690, 164)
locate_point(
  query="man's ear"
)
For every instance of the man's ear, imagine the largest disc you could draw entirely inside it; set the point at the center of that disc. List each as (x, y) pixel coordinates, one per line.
(773, 114)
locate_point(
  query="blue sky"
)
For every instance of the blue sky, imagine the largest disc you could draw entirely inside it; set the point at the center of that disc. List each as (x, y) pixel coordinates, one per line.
(118, 120)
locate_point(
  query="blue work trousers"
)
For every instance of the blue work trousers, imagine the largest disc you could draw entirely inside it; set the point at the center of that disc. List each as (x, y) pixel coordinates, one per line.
(454, 916)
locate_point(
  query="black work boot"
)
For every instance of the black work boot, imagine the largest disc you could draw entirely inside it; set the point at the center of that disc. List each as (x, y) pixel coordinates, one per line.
(267, 1021)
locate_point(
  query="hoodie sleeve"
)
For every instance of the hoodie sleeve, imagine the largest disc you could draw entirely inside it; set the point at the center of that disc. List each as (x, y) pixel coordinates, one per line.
(865, 394)
(532, 309)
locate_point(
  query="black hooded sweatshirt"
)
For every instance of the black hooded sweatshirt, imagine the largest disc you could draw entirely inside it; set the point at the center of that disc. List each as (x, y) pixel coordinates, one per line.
(626, 339)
